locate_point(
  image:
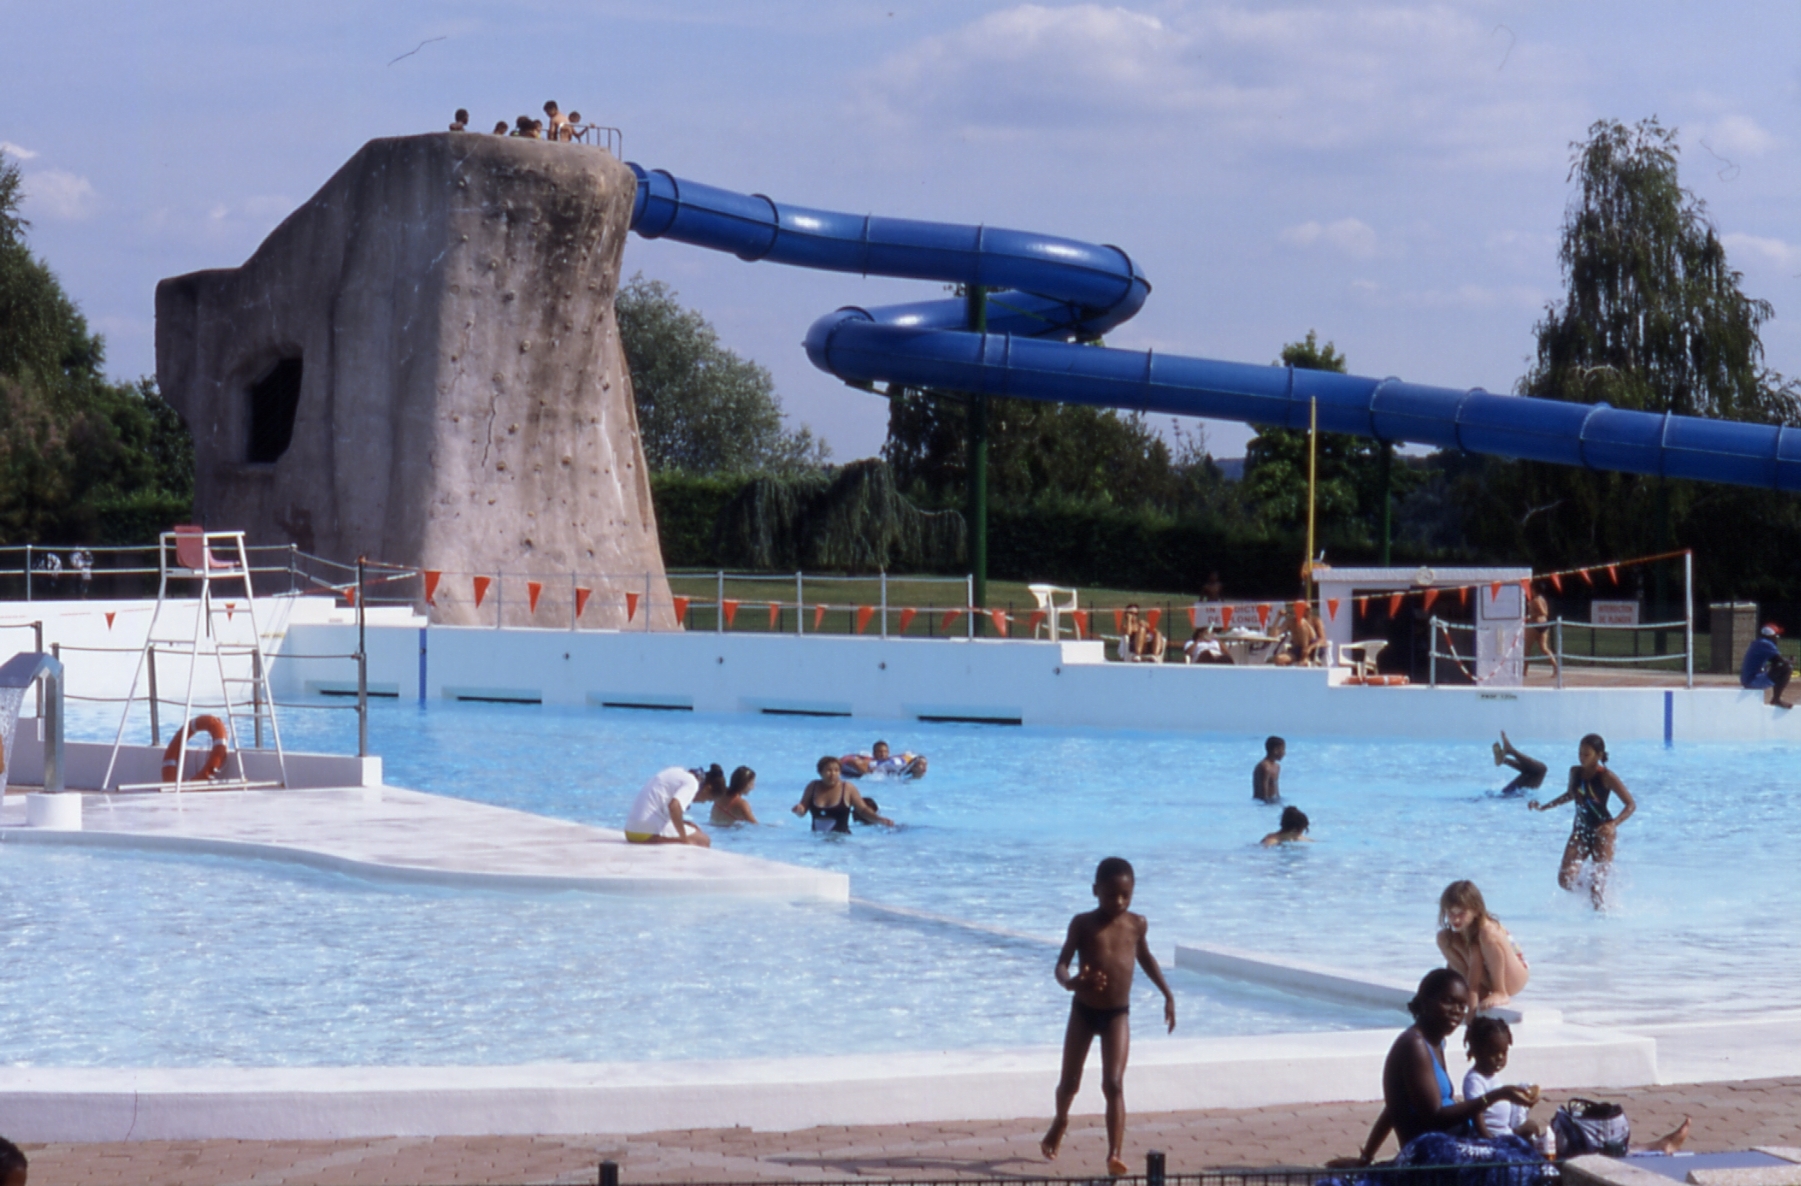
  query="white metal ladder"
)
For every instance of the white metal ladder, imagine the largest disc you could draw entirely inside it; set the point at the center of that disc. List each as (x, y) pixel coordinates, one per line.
(186, 553)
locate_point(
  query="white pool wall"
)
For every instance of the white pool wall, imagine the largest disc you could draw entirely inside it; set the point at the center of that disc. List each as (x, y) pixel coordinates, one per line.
(1057, 684)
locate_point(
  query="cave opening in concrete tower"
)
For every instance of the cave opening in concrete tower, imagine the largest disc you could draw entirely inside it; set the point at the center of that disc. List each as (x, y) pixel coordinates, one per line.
(274, 399)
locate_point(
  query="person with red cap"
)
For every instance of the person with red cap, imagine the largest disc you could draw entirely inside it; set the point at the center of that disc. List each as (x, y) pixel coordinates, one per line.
(1764, 666)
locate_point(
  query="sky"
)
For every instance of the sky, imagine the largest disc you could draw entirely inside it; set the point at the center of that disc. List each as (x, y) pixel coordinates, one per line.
(1393, 176)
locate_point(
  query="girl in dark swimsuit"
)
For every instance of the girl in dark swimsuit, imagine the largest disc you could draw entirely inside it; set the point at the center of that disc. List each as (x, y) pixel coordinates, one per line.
(833, 803)
(1592, 837)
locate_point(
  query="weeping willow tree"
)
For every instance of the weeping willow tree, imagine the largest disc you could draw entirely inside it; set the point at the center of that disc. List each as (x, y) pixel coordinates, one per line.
(1653, 318)
(856, 521)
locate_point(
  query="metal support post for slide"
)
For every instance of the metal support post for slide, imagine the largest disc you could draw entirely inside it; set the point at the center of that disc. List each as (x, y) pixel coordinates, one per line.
(28, 581)
(256, 695)
(1559, 625)
(37, 646)
(1432, 651)
(293, 562)
(156, 729)
(1688, 612)
(1386, 474)
(362, 666)
(977, 300)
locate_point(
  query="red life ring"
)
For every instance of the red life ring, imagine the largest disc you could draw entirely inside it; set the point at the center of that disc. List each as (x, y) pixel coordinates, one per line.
(215, 761)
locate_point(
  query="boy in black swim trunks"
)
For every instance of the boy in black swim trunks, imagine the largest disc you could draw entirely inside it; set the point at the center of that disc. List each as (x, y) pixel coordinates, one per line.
(1109, 939)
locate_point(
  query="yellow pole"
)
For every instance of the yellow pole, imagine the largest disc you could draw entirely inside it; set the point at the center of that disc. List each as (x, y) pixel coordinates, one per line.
(1312, 490)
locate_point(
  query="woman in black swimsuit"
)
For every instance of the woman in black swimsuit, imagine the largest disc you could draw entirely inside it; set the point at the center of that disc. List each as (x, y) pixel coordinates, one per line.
(1592, 836)
(832, 802)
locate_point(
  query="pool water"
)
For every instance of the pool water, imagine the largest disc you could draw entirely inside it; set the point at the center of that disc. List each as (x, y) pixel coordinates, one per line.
(266, 964)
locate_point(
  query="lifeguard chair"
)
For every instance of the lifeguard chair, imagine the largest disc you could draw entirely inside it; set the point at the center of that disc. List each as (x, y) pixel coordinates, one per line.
(234, 640)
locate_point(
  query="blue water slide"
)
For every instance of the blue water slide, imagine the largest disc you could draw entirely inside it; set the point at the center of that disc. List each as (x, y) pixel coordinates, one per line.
(1051, 296)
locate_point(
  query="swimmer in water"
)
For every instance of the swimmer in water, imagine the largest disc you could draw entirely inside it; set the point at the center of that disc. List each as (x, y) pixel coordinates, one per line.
(881, 761)
(1294, 829)
(732, 807)
(1592, 836)
(833, 803)
(1265, 777)
(1110, 939)
(1531, 771)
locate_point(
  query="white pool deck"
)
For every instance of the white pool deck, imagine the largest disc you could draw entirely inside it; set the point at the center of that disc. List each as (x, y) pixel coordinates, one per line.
(348, 821)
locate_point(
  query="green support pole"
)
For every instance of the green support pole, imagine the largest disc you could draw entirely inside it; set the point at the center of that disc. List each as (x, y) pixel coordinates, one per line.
(978, 463)
(1387, 474)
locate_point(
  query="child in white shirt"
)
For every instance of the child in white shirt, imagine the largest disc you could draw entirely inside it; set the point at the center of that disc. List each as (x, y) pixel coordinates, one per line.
(1487, 1039)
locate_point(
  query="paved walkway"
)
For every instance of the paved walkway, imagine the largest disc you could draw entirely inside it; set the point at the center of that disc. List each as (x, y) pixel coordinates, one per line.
(1737, 1115)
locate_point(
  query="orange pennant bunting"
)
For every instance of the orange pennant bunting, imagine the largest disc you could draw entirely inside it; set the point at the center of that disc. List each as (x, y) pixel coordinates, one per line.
(1081, 617)
(349, 595)
(231, 607)
(581, 599)
(1152, 617)
(681, 609)
(481, 589)
(1192, 624)
(949, 617)
(1300, 610)
(1614, 572)
(1000, 619)
(1225, 616)
(1430, 597)
(730, 609)
(431, 586)
(1263, 615)
(1332, 608)
(1363, 606)
(1589, 580)
(864, 613)
(1035, 621)
(818, 617)
(631, 606)
(1494, 590)
(906, 618)
(1557, 582)
(1394, 604)
(110, 614)
(1119, 621)
(533, 590)
(775, 614)
(1463, 595)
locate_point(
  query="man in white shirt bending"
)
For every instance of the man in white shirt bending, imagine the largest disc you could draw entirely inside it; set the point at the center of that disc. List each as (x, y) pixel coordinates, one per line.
(659, 813)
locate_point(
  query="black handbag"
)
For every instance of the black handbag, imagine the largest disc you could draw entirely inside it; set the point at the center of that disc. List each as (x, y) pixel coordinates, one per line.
(1590, 1126)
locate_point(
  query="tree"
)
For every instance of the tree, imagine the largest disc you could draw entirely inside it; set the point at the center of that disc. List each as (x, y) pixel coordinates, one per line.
(1036, 450)
(1349, 486)
(82, 460)
(1653, 318)
(701, 408)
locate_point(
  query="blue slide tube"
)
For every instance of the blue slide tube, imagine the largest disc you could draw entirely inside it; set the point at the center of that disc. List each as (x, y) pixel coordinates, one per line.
(1054, 294)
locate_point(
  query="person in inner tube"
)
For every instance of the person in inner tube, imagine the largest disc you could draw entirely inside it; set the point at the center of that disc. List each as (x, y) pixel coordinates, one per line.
(879, 760)
(1764, 666)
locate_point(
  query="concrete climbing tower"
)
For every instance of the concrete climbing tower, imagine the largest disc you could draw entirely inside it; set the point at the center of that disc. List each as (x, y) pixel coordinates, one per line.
(421, 365)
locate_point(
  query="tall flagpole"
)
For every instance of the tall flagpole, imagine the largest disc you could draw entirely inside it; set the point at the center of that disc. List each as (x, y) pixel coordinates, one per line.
(1312, 490)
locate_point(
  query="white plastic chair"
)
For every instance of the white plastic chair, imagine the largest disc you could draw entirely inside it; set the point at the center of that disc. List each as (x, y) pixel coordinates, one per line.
(1360, 657)
(1047, 598)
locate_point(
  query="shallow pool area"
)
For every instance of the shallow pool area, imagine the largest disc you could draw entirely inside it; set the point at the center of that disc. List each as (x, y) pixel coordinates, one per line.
(182, 961)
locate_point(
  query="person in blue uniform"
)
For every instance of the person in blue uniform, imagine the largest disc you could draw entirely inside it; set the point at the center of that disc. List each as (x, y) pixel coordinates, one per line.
(1764, 666)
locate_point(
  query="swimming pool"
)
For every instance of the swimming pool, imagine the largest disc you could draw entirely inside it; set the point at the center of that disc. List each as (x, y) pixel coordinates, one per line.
(1003, 833)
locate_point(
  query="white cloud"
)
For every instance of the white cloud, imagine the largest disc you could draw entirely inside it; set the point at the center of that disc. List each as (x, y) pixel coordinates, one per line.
(1773, 250)
(58, 194)
(1734, 136)
(1352, 236)
(1223, 78)
(17, 151)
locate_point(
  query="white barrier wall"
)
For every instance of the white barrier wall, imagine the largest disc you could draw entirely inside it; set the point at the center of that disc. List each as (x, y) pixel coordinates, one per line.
(1065, 684)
